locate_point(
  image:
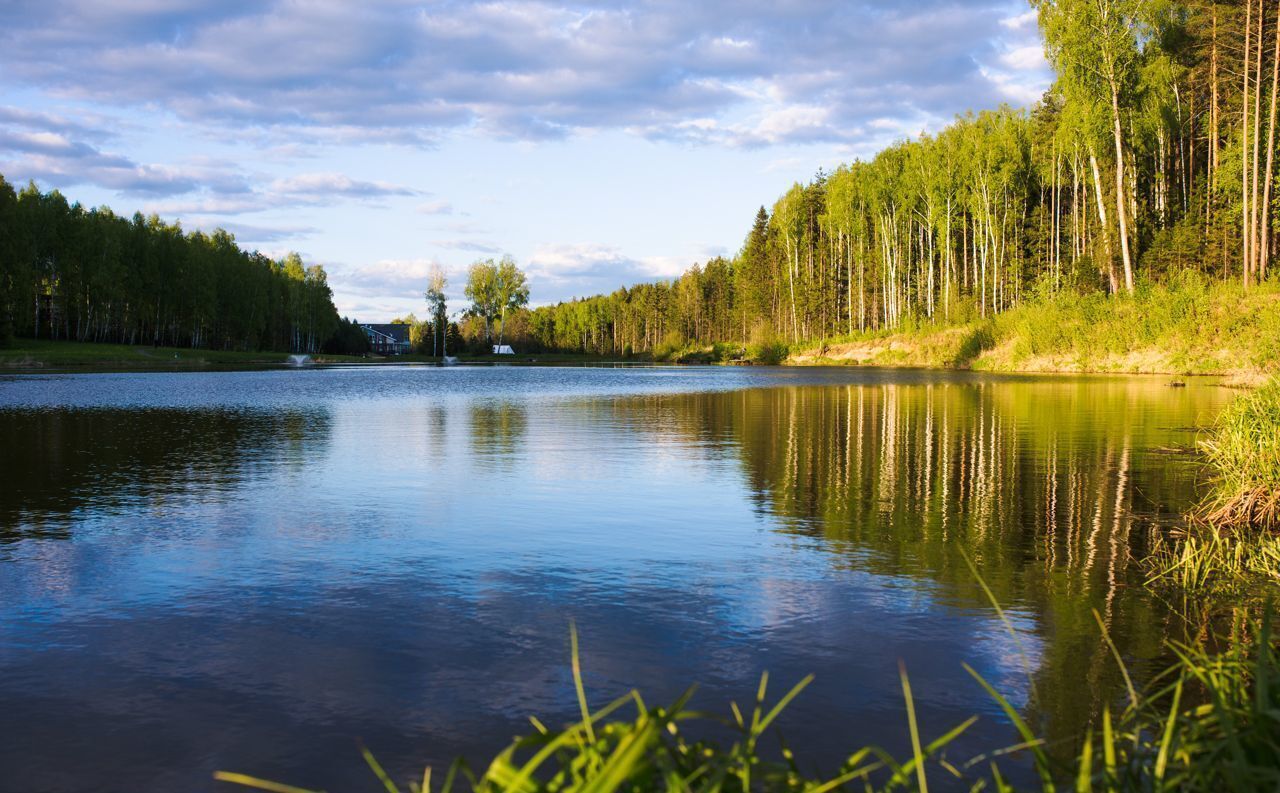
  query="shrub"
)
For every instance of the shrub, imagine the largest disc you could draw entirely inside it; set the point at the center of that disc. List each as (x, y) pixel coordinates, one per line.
(671, 345)
(765, 347)
(976, 341)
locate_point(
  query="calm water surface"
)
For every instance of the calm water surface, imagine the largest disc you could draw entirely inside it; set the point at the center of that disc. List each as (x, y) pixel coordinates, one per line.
(256, 570)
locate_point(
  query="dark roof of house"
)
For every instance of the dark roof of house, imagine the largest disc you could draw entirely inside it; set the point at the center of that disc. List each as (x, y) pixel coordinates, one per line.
(398, 332)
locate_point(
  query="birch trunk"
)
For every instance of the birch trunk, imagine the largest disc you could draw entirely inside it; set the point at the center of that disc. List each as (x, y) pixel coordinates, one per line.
(1102, 224)
(1264, 260)
(1244, 127)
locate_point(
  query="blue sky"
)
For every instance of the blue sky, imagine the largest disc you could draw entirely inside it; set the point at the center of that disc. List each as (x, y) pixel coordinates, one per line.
(599, 143)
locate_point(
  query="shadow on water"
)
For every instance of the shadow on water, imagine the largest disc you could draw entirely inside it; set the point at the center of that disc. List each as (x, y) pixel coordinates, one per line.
(58, 464)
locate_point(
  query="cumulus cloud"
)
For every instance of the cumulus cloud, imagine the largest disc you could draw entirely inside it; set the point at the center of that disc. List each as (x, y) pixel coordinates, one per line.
(565, 271)
(208, 206)
(390, 287)
(51, 148)
(250, 236)
(328, 185)
(395, 276)
(739, 73)
(54, 122)
(54, 157)
(48, 149)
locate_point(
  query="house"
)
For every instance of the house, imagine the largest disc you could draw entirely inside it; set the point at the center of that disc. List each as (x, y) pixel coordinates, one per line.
(387, 339)
(503, 349)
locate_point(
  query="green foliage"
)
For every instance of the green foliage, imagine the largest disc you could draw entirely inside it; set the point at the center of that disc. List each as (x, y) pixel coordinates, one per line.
(977, 339)
(765, 347)
(1187, 324)
(672, 344)
(93, 276)
(453, 338)
(420, 333)
(348, 339)
(769, 354)
(437, 304)
(496, 288)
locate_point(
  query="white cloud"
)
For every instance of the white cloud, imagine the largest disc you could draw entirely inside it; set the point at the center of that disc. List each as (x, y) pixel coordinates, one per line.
(1023, 22)
(435, 208)
(336, 184)
(563, 271)
(395, 71)
(1028, 58)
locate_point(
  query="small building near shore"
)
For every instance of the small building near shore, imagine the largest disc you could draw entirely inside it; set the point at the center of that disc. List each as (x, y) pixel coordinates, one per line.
(390, 339)
(503, 349)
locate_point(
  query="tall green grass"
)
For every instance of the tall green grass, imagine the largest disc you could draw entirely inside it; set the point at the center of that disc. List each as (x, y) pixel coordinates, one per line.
(1210, 722)
(1189, 324)
(1244, 452)
(1209, 559)
(1233, 540)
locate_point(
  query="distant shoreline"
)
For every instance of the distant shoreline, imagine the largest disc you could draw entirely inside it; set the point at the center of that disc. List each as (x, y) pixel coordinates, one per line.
(30, 356)
(901, 351)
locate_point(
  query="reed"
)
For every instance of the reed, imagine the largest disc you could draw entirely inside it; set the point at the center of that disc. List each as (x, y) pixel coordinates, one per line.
(1231, 544)
(1207, 558)
(1244, 453)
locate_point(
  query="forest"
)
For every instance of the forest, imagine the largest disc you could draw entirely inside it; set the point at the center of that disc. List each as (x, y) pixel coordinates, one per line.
(1152, 154)
(79, 274)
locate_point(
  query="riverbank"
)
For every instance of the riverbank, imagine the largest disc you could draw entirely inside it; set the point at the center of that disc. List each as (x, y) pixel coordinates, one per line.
(1188, 328)
(42, 355)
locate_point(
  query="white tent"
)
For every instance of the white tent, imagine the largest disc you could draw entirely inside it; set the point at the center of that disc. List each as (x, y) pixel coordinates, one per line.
(503, 349)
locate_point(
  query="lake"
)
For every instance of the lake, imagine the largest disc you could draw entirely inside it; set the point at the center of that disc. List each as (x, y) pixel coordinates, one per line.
(256, 571)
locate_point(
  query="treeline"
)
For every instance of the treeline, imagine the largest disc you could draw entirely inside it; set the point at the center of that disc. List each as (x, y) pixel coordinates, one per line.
(72, 273)
(1153, 152)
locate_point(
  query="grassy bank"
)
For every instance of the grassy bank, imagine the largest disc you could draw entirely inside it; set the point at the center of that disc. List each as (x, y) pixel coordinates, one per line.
(36, 355)
(1211, 722)
(521, 359)
(33, 354)
(1188, 327)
